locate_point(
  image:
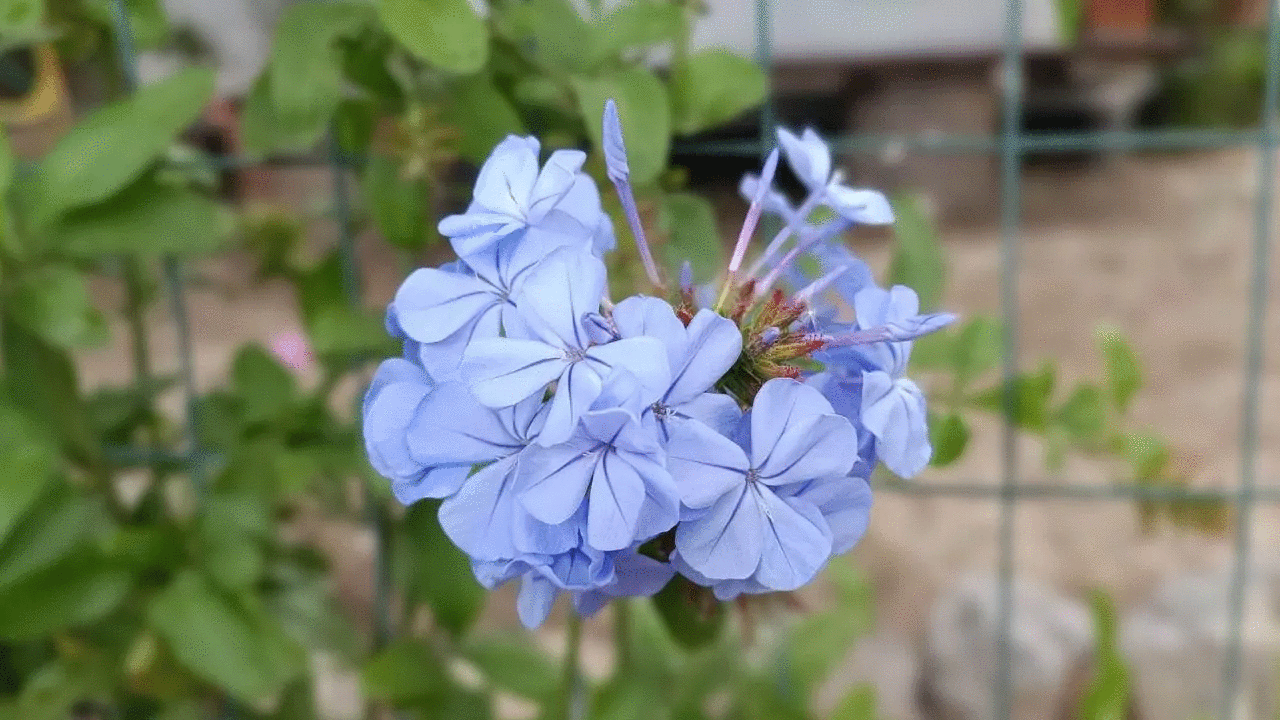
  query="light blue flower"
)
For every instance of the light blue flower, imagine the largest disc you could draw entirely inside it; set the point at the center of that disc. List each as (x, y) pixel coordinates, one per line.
(555, 302)
(810, 159)
(740, 522)
(543, 577)
(391, 404)
(635, 575)
(614, 467)
(698, 357)
(549, 208)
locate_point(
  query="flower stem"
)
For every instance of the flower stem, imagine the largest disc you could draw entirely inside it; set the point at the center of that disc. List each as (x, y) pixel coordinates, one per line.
(622, 634)
(566, 705)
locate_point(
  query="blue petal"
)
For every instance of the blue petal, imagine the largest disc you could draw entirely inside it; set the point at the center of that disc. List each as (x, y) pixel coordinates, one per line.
(554, 182)
(537, 597)
(724, 543)
(480, 517)
(705, 464)
(503, 371)
(576, 390)
(617, 493)
(713, 346)
(640, 315)
(559, 293)
(451, 426)
(637, 576)
(894, 411)
(392, 401)
(845, 502)
(555, 480)
(534, 536)
(865, 207)
(431, 305)
(443, 360)
(808, 156)
(796, 436)
(715, 410)
(435, 482)
(797, 541)
(507, 178)
(644, 357)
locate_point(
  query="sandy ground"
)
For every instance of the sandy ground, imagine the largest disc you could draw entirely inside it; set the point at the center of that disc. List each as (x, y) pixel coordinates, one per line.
(1159, 246)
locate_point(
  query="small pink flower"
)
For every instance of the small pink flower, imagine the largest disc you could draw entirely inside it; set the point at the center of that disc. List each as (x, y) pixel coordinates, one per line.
(291, 348)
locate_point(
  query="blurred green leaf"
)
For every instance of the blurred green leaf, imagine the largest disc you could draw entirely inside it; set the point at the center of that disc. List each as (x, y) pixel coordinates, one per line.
(341, 330)
(19, 17)
(7, 161)
(399, 205)
(918, 261)
(114, 145)
(950, 436)
(549, 32)
(305, 75)
(858, 704)
(626, 697)
(437, 572)
(446, 33)
(713, 87)
(645, 113)
(225, 638)
(976, 350)
(51, 528)
(689, 222)
(52, 301)
(1030, 400)
(147, 219)
(1084, 414)
(514, 664)
(231, 530)
(353, 124)
(1148, 455)
(693, 617)
(26, 462)
(265, 388)
(1124, 376)
(54, 690)
(814, 646)
(404, 673)
(264, 129)
(639, 23)
(78, 589)
(1107, 697)
(483, 114)
(42, 381)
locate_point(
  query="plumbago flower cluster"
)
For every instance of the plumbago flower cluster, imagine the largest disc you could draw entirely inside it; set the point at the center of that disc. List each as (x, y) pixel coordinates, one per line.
(598, 449)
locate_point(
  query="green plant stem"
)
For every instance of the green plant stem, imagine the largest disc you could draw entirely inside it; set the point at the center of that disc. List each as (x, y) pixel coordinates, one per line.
(622, 634)
(135, 309)
(569, 681)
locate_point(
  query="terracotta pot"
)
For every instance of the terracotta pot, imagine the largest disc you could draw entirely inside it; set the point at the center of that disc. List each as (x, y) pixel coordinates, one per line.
(1121, 15)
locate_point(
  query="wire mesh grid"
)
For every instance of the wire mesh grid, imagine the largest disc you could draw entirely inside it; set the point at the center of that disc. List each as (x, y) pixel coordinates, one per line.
(1010, 144)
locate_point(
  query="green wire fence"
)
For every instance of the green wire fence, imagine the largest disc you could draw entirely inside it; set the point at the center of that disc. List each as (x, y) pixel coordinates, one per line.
(1011, 144)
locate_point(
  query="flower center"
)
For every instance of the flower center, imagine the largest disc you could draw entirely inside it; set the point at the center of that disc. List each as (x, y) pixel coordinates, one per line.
(574, 354)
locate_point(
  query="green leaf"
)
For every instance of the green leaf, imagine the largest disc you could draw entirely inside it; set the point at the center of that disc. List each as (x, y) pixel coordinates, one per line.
(48, 392)
(692, 615)
(551, 33)
(399, 206)
(353, 124)
(74, 591)
(950, 436)
(445, 33)
(1148, 455)
(645, 113)
(689, 222)
(1107, 697)
(859, 704)
(483, 113)
(977, 349)
(265, 388)
(231, 530)
(341, 330)
(53, 302)
(1084, 414)
(636, 24)
(818, 642)
(404, 673)
(514, 664)
(1123, 373)
(54, 526)
(1030, 399)
(437, 572)
(19, 17)
(917, 261)
(7, 162)
(306, 74)
(226, 639)
(26, 461)
(113, 146)
(625, 697)
(148, 219)
(712, 88)
(264, 129)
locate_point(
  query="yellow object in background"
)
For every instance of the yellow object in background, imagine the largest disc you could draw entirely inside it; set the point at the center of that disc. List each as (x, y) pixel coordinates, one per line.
(48, 94)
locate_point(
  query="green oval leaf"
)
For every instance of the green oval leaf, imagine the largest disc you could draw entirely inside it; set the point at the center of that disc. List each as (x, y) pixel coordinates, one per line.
(148, 219)
(445, 33)
(713, 87)
(52, 301)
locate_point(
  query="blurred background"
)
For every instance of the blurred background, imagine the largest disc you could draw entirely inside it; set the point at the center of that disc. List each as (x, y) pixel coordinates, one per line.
(208, 204)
